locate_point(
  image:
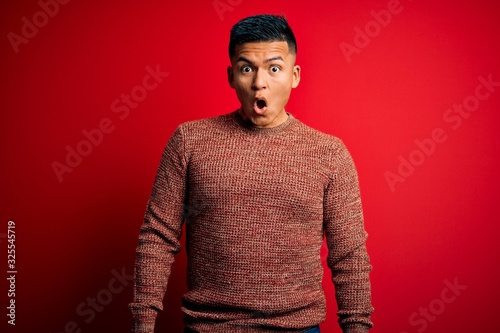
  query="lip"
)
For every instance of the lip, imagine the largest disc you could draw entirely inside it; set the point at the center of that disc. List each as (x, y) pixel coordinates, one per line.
(256, 108)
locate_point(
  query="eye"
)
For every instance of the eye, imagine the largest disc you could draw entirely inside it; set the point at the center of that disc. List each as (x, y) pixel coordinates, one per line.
(246, 69)
(275, 69)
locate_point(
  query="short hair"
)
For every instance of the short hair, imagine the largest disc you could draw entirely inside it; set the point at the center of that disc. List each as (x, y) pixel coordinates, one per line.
(262, 28)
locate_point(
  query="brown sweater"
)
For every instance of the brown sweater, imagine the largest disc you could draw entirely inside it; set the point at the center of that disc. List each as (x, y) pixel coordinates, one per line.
(257, 203)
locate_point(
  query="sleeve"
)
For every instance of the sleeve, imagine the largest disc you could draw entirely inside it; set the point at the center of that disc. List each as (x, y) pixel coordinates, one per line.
(346, 238)
(159, 237)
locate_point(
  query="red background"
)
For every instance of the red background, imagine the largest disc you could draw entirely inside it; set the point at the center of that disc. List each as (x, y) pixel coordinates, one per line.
(440, 224)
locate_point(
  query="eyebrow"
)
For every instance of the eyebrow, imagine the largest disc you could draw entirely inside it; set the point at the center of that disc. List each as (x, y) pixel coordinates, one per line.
(265, 61)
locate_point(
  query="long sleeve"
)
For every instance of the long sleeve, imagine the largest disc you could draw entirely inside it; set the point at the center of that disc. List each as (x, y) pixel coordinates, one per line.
(346, 238)
(265, 197)
(159, 238)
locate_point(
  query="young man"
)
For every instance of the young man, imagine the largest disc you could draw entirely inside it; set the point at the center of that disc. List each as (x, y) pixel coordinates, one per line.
(258, 190)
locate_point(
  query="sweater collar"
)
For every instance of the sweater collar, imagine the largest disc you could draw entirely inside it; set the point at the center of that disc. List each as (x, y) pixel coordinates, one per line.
(249, 127)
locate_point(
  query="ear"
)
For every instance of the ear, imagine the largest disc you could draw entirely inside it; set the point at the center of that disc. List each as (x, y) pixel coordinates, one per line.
(296, 76)
(230, 76)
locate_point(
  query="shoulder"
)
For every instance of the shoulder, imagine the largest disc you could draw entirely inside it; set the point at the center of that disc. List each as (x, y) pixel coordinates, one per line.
(205, 125)
(202, 134)
(331, 151)
(328, 143)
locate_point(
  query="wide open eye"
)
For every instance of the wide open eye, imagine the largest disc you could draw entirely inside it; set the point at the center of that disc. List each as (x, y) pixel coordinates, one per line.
(246, 69)
(275, 69)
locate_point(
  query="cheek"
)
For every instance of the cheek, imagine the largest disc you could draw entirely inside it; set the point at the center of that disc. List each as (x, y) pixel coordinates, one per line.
(284, 81)
(284, 86)
(241, 92)
(240, 89)
(242, 85)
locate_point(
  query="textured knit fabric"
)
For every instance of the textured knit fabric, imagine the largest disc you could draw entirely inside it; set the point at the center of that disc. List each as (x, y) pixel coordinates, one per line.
(257, 203)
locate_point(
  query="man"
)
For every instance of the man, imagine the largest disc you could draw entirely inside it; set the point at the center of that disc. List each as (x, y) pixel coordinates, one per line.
(258, 190)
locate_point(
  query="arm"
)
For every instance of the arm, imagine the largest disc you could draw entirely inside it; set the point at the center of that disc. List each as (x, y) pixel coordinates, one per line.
(159, 236)
(346, 237)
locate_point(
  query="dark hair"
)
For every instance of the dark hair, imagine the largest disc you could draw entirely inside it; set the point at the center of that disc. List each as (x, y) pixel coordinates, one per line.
(262, 28)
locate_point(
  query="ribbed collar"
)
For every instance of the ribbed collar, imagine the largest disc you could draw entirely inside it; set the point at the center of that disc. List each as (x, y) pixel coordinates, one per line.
(249, 127)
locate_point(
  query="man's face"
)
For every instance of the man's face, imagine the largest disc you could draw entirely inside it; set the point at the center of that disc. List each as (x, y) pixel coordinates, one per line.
(263, 75)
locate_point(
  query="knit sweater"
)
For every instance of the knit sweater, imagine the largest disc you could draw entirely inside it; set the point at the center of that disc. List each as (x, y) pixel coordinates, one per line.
(257, 203)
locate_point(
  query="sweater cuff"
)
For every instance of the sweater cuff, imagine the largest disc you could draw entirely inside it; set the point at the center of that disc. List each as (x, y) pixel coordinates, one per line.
(355, 328)
(144, 320)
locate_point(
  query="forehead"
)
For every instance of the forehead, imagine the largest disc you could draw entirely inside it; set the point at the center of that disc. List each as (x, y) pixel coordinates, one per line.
(262, 49)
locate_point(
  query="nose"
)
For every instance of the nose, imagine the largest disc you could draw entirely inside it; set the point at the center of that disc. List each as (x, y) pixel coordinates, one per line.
(259, 81)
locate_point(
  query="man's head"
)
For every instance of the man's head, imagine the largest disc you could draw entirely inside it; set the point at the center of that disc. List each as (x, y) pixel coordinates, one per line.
(262, 28)
(262, 51)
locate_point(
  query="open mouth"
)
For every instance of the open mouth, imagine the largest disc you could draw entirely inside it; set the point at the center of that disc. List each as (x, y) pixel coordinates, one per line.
(261, 103)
